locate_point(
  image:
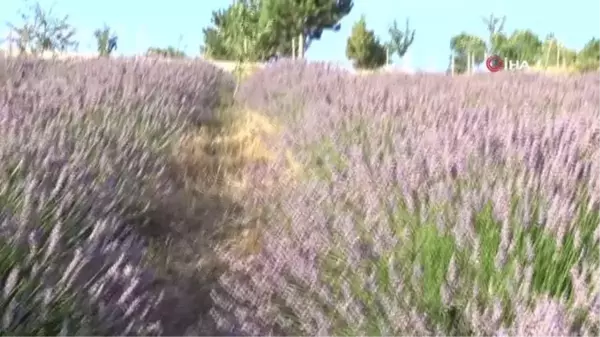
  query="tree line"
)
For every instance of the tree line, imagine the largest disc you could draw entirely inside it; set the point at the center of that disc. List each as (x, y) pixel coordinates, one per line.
(470, 50)
(260, 30)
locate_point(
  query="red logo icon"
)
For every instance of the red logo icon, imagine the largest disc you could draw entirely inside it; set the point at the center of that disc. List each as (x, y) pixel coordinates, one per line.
(494, 63)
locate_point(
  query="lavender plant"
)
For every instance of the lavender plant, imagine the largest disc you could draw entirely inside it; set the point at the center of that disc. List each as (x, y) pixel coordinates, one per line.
(424, 204)
(465, 206)
(88, 185)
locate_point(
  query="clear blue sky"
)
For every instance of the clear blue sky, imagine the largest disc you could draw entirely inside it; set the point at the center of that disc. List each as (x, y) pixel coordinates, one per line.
(141, 24)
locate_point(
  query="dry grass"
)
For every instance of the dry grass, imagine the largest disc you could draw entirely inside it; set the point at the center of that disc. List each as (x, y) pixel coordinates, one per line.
(556, 70)
(221, 158)
(215, 155)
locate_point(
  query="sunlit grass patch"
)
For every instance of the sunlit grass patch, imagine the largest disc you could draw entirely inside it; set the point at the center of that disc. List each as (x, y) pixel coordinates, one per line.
(230, 158)
(245, 70)
(295, 168)
(216, 155)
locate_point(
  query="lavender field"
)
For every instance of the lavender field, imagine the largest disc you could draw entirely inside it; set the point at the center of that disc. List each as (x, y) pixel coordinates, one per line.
(148, 199)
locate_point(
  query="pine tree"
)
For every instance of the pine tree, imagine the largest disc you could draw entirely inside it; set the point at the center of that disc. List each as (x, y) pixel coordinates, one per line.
(364, 48)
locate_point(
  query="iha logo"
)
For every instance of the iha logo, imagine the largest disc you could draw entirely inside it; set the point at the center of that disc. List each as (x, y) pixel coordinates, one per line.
(496, 63)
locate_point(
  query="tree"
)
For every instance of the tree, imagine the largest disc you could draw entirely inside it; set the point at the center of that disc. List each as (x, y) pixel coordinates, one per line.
(363, 47)
(169, 52)
(467, 50)
(105, 41)
(494, 27)
(305, 19)
(554, 54)
(399, 40)
(588, 59)
(243, 31)
(568, 57)
(591, 49)
(262, 28)
(41, 31)
(247, 40)
(214, 41)
(522, 45)
(499, 43)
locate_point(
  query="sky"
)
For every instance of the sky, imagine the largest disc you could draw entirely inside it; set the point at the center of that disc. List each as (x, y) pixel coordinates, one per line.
(142, 24)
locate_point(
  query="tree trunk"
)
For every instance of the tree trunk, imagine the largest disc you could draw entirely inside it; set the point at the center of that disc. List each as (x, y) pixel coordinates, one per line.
(293, 48)
(301, 46)
(387, 56)
(548, 53)
(468, 63)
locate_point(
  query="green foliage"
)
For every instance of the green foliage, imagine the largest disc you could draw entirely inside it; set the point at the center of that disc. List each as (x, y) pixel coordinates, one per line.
(554, 54)
(464, 44)
(522, 45)
(41, 31)
(257, 29)
(591, 49)
(364, 48)
(169, 52)
(588, 58)
(102, 36)
(214, 45)
(247, 39)
(286, 16)
(241, 32)
(306, 18)
(399, 40)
